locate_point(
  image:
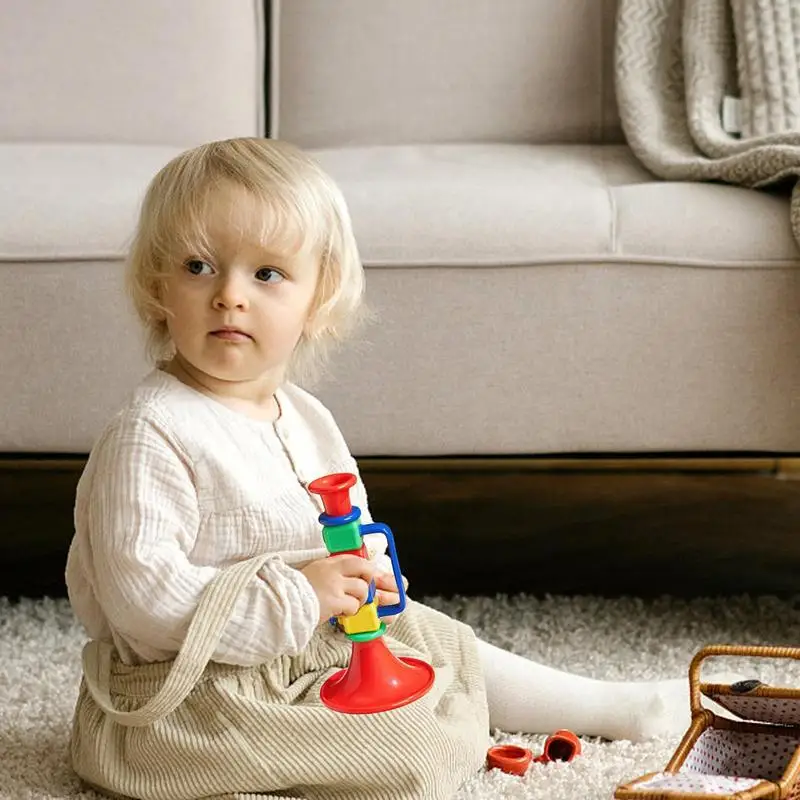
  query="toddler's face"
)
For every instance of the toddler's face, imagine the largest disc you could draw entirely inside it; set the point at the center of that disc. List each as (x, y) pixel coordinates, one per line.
(237, 316)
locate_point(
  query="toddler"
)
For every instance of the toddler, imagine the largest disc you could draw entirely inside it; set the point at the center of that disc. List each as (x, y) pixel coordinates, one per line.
(198, 568)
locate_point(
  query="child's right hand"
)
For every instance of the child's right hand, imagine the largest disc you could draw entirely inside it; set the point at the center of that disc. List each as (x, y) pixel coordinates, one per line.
(341, 583)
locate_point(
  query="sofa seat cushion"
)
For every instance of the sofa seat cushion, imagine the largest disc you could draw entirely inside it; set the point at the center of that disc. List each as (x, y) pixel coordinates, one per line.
(63, 202)
(529, 300)
(458, 204)
(510, 204)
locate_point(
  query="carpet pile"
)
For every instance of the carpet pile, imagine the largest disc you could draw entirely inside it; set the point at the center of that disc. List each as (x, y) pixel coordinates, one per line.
(624, 638)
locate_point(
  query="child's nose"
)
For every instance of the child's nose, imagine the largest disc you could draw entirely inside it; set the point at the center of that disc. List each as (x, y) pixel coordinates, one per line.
(231, 293)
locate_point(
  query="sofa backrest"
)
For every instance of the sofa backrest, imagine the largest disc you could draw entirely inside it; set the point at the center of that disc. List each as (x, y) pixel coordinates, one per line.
(360, 72)
(141, 71)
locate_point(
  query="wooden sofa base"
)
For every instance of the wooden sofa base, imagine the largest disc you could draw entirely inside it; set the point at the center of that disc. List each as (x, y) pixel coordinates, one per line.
(701, 526)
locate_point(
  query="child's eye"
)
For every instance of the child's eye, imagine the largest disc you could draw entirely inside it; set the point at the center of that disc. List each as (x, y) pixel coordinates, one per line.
(268, 275)
(198, 267)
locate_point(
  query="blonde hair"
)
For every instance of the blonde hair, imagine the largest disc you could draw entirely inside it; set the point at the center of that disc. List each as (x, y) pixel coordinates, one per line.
(302, 205)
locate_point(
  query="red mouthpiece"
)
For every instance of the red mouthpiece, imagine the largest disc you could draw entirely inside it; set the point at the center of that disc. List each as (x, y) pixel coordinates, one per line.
(335, 492)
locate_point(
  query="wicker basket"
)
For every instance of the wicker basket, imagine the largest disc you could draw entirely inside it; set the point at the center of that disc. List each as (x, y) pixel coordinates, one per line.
(754, 756)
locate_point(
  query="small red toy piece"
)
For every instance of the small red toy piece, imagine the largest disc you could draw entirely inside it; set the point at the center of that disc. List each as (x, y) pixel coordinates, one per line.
(509, 758)
(563, 745)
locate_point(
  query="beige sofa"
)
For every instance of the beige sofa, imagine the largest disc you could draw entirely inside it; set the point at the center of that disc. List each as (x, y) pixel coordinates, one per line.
(538, 291)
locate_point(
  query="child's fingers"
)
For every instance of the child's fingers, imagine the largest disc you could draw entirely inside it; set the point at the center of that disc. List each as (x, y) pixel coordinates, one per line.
(387, 598)
(357, 588)
(385, 580)
(355, 567)
(349, 606)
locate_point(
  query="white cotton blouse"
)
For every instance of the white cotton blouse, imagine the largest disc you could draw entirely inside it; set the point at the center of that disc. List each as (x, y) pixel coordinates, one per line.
(180, 485)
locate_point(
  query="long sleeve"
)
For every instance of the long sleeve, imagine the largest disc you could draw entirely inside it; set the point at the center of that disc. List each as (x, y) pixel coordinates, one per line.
(142, 516)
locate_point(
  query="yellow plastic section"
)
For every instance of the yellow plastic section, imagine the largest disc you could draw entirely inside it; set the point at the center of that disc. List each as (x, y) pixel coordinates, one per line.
(365, 620)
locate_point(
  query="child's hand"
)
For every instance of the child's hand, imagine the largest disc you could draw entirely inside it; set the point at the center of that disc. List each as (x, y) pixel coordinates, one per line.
(341, 583)
(386, 592)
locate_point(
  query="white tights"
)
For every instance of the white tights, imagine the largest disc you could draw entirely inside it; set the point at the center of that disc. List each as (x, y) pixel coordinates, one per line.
(528, 697)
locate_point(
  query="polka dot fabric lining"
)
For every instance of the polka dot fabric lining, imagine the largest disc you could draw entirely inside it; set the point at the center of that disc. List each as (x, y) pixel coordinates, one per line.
(741, 754)
(777, 710)
(697, 784)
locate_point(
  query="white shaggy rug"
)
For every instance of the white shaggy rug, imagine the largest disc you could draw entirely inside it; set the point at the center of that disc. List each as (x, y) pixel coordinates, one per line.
(627, 638)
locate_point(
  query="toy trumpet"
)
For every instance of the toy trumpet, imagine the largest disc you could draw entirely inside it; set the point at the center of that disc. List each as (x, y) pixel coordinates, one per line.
(376, 680)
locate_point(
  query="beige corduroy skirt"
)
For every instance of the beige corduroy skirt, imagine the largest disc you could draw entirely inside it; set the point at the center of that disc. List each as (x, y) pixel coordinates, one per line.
(190, 728)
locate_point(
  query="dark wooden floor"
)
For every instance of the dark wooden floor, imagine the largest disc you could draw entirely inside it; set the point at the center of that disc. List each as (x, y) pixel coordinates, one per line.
(690, 528)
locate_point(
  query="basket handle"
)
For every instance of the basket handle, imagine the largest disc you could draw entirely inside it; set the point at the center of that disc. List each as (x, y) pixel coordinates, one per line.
(759, 651)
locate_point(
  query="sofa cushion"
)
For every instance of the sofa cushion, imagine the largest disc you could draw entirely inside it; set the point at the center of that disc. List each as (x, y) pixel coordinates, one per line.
(389, 72)
(594, 357)
(565, 358)
(72, 201)
(177, 72)
(495, 204)
(587, 321)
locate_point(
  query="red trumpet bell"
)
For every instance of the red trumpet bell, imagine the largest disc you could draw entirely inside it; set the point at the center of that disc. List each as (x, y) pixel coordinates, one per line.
(376, 680)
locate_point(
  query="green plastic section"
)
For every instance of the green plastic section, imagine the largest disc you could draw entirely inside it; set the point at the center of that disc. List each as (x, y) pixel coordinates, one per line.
(368, 636)
(339, 538)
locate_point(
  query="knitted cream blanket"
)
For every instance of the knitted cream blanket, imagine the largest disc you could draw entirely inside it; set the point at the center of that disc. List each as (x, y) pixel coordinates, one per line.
(679, 61)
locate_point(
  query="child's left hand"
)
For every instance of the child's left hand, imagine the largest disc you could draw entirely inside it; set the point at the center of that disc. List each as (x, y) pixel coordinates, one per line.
(386, 592)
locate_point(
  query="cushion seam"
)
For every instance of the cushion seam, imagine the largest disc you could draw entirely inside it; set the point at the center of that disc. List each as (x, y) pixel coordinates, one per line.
(575, 259)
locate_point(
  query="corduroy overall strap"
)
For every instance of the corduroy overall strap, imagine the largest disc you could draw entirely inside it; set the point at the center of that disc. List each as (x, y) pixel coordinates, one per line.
(212, 615)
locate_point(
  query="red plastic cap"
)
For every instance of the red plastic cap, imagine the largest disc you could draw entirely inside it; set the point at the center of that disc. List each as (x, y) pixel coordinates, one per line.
(335, 492)
(563, 745)
(509, 758)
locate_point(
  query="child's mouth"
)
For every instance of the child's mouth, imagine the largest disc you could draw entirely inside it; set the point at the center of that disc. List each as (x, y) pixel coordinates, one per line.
(230, 335)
